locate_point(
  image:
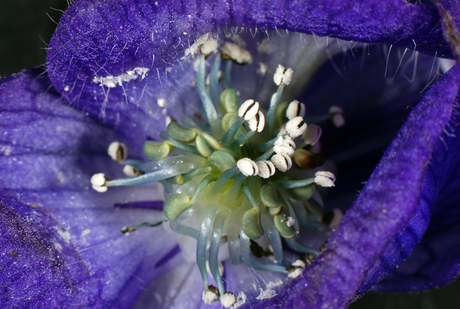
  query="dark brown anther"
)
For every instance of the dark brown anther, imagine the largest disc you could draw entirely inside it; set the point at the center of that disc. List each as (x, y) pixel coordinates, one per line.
(256, 249)
(308, 160)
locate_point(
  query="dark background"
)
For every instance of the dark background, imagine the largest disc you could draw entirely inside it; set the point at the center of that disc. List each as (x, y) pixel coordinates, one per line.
(25, 30)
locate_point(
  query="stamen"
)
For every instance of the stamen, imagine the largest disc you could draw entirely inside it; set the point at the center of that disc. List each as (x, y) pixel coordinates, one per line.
(295, 109)
(99, 182)
(296, 127)
(257, 122)
(248, 109)
(296, 268)
(282, 162)
(337, 118)
(236, 53)
(117, 151)
(205, 165)
(247, 167)
(312, 134)
(266, 169)
(325, 179)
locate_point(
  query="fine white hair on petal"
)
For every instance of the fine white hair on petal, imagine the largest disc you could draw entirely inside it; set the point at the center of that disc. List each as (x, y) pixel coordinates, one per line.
(282, 162)
(248, 109)
(312, 134)
(295, 109)
(266, 168)
(117, 151)
(296, 127)
(247, 167)
(325, 179)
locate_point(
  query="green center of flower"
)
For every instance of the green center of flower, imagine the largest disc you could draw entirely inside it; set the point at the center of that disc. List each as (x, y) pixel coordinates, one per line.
(233, 169)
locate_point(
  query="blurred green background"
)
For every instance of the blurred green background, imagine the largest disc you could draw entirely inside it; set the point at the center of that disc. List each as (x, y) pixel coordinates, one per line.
(26, 27)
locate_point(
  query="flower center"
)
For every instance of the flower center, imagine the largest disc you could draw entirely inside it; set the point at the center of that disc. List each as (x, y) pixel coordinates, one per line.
(232, 168)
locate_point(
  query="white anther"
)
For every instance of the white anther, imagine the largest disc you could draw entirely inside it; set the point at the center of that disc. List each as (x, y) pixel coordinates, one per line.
(284, 145)
(282, 130)
(221, 268)
(98, 182)
(295, 109)
(208, 47)
(325, 179)
(266, 169)
(257, 123)
(290, 221)
(236, 53)
(210, 297)
(282, 162)
(336, 114)
(248, 109)
(117, 151)
(228, 299)
(296, 127)
(299, 267)
(247, 167)
(130, 171)
(312, 134)
(282, 75)
(336, 219)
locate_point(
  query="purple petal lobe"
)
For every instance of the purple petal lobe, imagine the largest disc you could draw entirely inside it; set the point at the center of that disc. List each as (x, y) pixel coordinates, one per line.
(384, 208)
(60, 242)
(116, 59)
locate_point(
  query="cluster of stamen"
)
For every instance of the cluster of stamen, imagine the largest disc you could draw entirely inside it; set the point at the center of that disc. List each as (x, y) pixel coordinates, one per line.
(233, 172)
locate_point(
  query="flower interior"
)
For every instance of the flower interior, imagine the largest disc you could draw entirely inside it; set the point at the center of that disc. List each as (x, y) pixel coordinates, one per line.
(236, 175)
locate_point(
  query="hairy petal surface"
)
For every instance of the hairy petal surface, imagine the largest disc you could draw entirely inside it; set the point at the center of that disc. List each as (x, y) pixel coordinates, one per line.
(111, 39)
(60, 241)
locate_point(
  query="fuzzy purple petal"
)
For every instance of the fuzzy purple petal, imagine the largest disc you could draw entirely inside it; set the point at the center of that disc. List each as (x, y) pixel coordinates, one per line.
(100, 39)
(60, 242)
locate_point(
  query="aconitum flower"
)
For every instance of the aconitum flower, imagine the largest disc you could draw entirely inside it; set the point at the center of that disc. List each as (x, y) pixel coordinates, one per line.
(120, 70)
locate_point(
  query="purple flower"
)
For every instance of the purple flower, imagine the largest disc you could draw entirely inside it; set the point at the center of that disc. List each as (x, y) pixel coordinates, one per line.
(116, 69)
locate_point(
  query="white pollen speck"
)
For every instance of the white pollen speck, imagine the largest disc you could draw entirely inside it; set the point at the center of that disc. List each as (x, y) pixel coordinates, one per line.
(290, 221)
(161, 102)
(65, 235)
(262, 69)
(164, 111)
(66, 88)
(58, 246)
(85, 232)
(167, 120)
(112, 81)
(6, 150)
